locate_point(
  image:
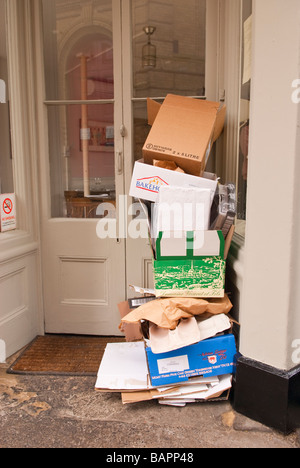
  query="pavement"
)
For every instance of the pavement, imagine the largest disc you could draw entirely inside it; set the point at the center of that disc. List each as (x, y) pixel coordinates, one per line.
(67, 412)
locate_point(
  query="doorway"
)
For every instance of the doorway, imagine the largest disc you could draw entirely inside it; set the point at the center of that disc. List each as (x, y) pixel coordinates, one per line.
(101, 60)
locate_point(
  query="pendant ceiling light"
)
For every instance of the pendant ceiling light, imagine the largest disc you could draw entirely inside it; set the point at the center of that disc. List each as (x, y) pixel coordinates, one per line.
(149, 50)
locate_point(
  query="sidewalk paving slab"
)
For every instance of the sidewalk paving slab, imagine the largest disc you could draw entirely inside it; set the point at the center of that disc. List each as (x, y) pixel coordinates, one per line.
(67, 412)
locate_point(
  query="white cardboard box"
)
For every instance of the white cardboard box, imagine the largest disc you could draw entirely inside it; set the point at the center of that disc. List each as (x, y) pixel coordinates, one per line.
(7, 212)
(147, 180)
(184, 209)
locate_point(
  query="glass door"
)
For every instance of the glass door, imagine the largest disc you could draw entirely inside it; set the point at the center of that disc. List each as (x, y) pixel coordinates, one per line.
(84, 275)
(103, 59)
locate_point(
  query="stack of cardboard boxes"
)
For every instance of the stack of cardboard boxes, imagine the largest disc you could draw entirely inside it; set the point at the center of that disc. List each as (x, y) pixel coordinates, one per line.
(187, 350)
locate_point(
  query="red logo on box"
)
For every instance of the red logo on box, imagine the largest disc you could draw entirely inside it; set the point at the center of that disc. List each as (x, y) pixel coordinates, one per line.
(212, 359)
(151, 184)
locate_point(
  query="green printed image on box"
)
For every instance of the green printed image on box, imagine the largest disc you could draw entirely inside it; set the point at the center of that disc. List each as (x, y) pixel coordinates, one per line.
(189, 264)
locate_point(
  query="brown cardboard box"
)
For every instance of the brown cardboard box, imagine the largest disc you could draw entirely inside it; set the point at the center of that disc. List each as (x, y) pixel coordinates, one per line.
(132, 331)
(183, 130)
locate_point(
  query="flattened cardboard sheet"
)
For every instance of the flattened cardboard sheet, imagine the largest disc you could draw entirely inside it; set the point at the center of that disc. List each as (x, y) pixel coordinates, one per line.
(123, 367)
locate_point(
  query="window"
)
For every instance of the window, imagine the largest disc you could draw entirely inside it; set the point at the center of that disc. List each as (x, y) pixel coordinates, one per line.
(78, 51)
(6, 166)
(81, 37)
(169, 52)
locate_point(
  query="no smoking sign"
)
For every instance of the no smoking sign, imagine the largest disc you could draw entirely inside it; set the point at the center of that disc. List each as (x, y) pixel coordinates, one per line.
(7, 206)
(8, 214)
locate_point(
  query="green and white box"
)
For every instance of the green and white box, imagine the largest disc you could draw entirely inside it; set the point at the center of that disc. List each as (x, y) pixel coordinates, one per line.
(189, 264)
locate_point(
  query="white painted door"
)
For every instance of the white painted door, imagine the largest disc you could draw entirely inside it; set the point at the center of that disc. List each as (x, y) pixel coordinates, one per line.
(95, 116)
(83, 275)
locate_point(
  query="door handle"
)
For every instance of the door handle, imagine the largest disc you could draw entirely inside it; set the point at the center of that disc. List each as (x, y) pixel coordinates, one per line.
(120, 162)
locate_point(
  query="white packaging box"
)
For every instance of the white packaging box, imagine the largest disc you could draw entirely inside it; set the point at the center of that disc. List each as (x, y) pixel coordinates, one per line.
(181, 209)
(7, 212)
(147, 180)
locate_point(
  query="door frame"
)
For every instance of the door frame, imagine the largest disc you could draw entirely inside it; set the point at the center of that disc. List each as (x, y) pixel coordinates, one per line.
(21, 316)
(123, 119)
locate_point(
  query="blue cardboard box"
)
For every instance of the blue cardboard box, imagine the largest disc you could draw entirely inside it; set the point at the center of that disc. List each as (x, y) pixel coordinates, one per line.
(215, 356)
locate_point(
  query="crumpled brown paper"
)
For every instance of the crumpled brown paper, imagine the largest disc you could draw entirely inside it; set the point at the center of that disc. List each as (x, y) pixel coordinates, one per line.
(166, 313)
(171, 165)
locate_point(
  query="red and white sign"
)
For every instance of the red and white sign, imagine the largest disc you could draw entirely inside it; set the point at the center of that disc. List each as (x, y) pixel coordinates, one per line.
(8, 212)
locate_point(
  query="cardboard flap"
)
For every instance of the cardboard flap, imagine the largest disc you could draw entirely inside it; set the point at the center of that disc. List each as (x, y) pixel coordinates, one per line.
(153, 108)
(186, 333)
(132, 331)
(228, 241)
(190, 245)
(220, 122)
(191, 104)
(211, 326)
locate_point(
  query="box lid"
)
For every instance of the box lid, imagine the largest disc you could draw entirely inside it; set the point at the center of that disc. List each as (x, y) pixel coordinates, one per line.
(189, 245)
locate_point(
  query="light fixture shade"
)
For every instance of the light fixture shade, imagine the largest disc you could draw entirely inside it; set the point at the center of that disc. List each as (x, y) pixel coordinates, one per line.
(149, 56)
(149, 50)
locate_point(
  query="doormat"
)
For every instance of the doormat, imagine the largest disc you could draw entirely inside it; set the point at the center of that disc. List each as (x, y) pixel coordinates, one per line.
(62, 355)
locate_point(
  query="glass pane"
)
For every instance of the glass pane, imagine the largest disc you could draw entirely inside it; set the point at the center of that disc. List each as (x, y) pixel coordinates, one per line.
(79, 66)
(244, 120)
(73, 29)
(66, 160)
(141, 128)
(6, 170)
(168, 47)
